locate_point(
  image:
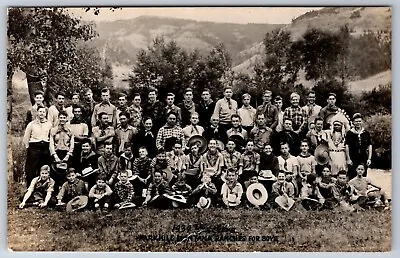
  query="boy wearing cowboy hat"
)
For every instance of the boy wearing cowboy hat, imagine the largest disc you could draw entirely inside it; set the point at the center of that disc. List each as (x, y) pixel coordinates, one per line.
(72, 188)
(123, 190)
(231, 190)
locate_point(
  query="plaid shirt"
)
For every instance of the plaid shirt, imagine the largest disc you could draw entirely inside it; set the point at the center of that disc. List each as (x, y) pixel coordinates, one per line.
(297, 115)
(61, 138)
(249, 160)
(231, 160)
(136, 115)
(109, 166)
(141, 167)
(124, 191)
(168, 132)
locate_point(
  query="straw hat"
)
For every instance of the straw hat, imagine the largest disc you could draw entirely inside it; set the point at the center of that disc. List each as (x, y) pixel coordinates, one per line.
(77, 203)
(285, 203)
(257, 194)
(204, 203)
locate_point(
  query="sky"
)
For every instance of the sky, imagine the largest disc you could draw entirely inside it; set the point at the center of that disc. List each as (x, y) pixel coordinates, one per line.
(271, 15)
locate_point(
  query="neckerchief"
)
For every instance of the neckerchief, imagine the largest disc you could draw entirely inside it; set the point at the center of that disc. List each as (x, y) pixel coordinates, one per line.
(188, 105)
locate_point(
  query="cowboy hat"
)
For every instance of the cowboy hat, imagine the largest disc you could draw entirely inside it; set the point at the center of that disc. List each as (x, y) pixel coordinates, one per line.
(285, 203)
(238, 140)
(131, 176)
(127, 205)
(203, 203)
(200, 141)
(176, 199)
(321, 154)
(192, 171)
(77, 203)
(62, 165)
(168, 173)
(266, 175)
(88, 171)
(257, 194)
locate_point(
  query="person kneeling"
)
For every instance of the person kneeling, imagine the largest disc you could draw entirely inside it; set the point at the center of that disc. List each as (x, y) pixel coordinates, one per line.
(40, 190)
(231, 190)
(155, 193)
(100, 194)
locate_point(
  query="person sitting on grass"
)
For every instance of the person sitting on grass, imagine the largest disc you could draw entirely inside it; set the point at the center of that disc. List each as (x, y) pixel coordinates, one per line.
(162, 164)
(89, 160)
(100, 194)
(40, 190)
(141, 169)
(206, 189)
(310, 196)
(155, 193)
(249, 161)
(253, 179)
(326, 184)
(72, 188)
(346, 195)
(108, 164)
(123, 190)
(366, 188)
(180, 187)
(231, 190)
(281, 188)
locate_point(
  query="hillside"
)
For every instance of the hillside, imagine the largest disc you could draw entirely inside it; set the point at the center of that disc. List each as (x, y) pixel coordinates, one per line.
(121, 40)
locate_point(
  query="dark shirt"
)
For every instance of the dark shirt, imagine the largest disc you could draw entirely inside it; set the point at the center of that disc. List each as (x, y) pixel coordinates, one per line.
(156, 111)
(141, 167)
(269, 162)
(291, 138)
(187, 113)
(205, 113)
(213, 133)
(147, 140)
(358, 145)
(90, 160)
(271, 114)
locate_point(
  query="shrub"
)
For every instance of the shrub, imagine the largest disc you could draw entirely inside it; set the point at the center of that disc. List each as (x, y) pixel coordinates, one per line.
(378, 101)
(380, 128)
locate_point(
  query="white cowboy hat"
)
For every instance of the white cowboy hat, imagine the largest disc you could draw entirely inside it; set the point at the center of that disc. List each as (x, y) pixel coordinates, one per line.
(203, 203)
(285, 203)
(257, 194)
(77, 203)
(88, 171)
(127, 205)
(266, 175)
(176, 199)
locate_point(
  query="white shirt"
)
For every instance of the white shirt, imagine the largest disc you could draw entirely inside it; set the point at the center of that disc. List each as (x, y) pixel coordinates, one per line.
(37, 131)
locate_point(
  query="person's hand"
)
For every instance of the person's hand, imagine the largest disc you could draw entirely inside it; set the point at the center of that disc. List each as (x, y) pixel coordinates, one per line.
(42, 205)
(66, 158)
(22, 205)
(60, 202)
(96, 200)
(109, 182)
(57, 159)
(144, 203)
(369, 162)
(349, 162)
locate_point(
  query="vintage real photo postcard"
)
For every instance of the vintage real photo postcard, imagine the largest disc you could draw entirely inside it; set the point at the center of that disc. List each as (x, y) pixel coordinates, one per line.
(199, 129)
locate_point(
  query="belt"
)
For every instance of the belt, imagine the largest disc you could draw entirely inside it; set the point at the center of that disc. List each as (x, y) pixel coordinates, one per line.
(336, 150)
(39, 144)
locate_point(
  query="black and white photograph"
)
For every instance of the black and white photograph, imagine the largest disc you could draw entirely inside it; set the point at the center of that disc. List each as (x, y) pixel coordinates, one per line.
(199, 129)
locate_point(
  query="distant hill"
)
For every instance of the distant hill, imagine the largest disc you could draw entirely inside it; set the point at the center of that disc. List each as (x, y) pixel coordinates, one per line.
(121, 40)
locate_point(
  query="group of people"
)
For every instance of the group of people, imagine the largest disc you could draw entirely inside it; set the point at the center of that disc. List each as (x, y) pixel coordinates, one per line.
(101, 156)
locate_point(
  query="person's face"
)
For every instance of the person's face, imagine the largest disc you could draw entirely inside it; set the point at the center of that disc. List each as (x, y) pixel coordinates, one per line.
(214, 121)
(170, 100)
(123, 120)
(253, 180)
(206, 96)
(161, 156)
(268, 149)
(360, 170)
(331, 100)
(60, 99)
(311, 98)
(62, 119)
(104, 119)
(189, 96)
(105, 96)
(77, 112)
(278, 104)
(246, 101)
(88, 95)
(230, 146)
(228, 93)
(342, 179)
(194, 149)
(357, 123)
(194, 119)
(177, 148)
(294, 101)
(157, 177)
(326, 172)
(152, 96)
(267, 97)
(212, 145)
(304, 147)
(171, 119)
(206, 179)
(128, 151)
(142, 153)
(285, 149)
(337, 127)
(75, 99)
(148, 124)
(44, 174)
(287, 125)
(71, 177)
(42, 113)
(108, 149)
(101, 183)
(261, 120)
(250, 146)
(122, 101)
(235, 122)
(311, 126)
(86, 147)
(319, 125)
(281, 177)
(137, 100)
(230, 177)
(39, 99)
(123, 177)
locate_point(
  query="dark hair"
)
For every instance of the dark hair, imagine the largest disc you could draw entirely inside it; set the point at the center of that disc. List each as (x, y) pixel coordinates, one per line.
(136, 95)
(318, 119)
(127, 145)
(311, 178)
(227, 87)
(102, 177)
(104, 90)
(304, 140)
(39, 92)
(283, 143)
(122, 95)
(357, 115)
(101, 114)
(342, 172)
(62, 113)
(60, 93)
(187, 90)
(310, 92)
(40, 106)
(108, 143)
(236, 115)
(87, 140)
(172, 113)
(278, 98)
(152, 89)
(125, 113)
(75, 106)
(160, 150)
(71, 170)
(170, 94)
(206, 89)
(332, 94)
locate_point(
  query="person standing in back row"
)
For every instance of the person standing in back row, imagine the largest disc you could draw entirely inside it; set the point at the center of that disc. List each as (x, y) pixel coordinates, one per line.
(155, 109)
(270, 111)
(206, 108)
(225, 108)
(106, 107)
(188, 107)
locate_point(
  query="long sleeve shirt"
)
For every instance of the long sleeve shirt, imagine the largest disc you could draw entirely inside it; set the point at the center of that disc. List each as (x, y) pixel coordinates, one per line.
(124, 191)
(109, 166)
(158, 189)
(271, 114)
(169, 132)
(96, 192)
(61, 138)
(107, 108)
(279, 188)
(52, 115)
(70, 190)
(308, 191)
(224, 109)
(37, 131)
